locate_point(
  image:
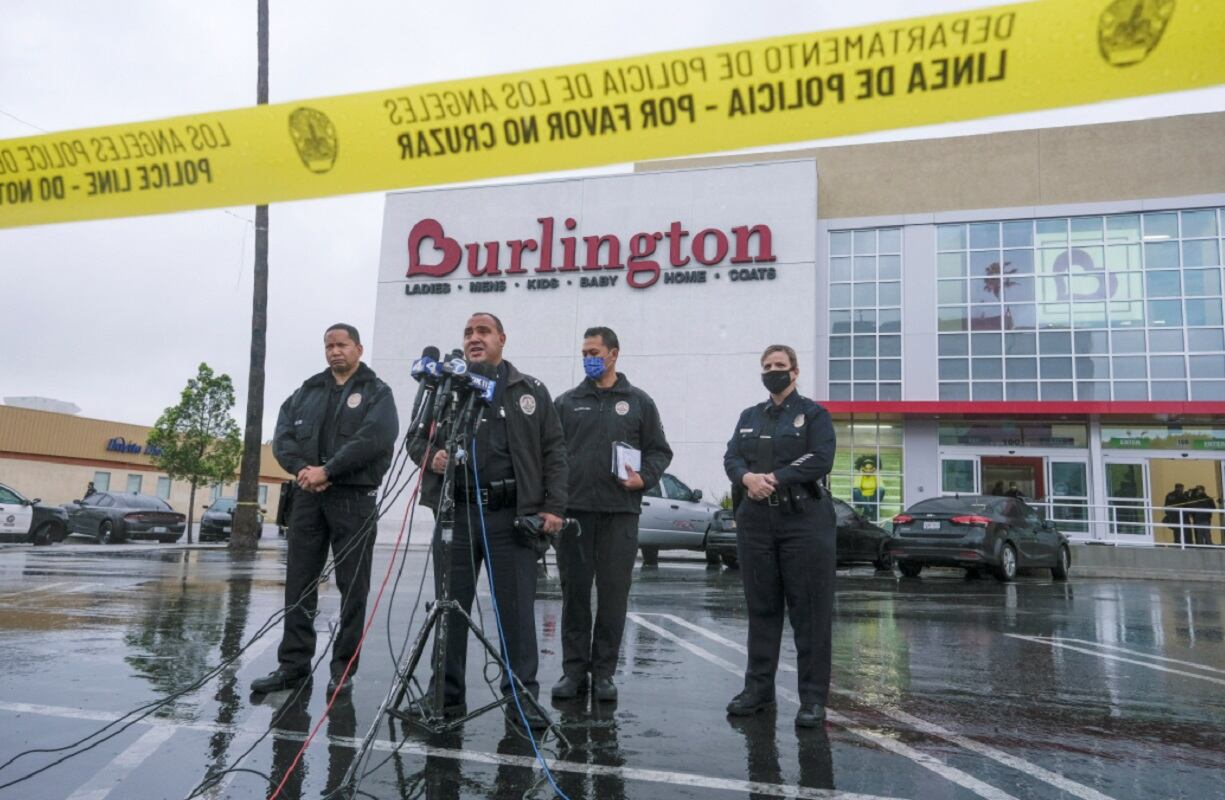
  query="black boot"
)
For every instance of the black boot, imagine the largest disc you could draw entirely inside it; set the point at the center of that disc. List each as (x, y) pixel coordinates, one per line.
(811, 715)
(569, 687)
(746, 704)
(535, 720)
(278, 679)
(604, 690)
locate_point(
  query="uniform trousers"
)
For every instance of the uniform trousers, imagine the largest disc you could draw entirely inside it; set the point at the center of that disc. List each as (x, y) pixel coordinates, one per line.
(787, 563)
(514, 582)
(342, 519)
(602, 551)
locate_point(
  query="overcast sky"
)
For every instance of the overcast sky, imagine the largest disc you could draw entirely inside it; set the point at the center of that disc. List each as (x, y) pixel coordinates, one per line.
(114, 315)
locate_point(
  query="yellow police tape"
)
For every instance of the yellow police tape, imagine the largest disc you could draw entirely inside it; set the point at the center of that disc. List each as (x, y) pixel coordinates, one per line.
(965, 65)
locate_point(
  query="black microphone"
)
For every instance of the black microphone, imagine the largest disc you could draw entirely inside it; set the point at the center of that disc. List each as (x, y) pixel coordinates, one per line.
(453, 365)
(477, 387)
(425, 371)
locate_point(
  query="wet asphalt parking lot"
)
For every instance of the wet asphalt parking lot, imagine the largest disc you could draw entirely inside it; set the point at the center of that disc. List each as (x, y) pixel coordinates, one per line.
(943, 688)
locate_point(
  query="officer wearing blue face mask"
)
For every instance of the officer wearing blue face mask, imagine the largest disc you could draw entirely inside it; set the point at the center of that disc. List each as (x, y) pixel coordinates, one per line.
(785, 535)
(603, 409)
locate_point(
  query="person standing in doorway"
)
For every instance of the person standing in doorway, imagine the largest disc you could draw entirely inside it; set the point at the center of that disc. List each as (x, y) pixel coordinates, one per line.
(598, 413)
(1174, 514)
(779, 452)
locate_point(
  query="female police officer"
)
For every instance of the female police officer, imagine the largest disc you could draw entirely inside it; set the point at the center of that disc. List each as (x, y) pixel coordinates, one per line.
(785, 521)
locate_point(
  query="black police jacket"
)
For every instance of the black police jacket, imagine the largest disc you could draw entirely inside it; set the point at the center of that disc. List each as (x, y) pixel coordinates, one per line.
(366, 428)
(593, 419)
(800, 433)
(537, 449)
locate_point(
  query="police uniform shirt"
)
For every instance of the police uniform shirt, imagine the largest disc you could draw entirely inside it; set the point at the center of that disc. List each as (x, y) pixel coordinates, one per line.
(794, 440)
(492, 443)
(327, 430)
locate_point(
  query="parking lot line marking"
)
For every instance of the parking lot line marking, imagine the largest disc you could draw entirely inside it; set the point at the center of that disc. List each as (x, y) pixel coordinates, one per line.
(952, 774)
(1141, 653)
(82, 587)
(1109, 657)
(1021, 765)
(42, 588)
(109, 778)
(169, 727)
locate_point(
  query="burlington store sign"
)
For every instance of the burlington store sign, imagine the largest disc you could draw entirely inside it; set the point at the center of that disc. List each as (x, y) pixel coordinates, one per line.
(551, 256)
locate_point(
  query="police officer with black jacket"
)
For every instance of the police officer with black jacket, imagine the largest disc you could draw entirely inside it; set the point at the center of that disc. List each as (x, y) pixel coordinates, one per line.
(603, 409)
(336, 434)
(785, 539)
(521, 464)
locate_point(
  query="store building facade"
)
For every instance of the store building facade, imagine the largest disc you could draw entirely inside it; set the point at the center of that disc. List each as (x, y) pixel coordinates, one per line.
(1038, 312)
(56, 456)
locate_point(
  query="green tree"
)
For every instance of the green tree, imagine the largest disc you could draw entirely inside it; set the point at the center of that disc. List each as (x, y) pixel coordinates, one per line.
(198, 438)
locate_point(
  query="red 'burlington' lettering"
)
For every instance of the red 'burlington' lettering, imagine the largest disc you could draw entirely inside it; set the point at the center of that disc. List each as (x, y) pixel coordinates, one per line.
(433, 254)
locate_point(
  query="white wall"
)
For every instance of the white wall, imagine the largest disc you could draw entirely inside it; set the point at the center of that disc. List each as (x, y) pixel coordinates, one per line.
(693, 347)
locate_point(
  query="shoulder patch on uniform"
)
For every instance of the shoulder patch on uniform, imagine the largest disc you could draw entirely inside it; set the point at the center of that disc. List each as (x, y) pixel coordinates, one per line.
(354, 400)
(527, 404)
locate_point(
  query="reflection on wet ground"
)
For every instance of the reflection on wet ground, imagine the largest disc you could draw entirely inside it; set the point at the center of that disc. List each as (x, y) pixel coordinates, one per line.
(944, 687)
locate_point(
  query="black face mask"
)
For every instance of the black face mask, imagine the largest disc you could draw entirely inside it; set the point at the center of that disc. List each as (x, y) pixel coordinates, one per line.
(776, 381)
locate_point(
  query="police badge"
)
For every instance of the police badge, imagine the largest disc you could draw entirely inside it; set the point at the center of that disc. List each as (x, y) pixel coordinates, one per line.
(315, 137)
(1128, 30)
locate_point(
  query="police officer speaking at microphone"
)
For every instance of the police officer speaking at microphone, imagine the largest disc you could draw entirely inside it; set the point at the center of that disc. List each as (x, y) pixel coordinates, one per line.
(336, 434)
(521, 464)
(598, 413)
(785, 537)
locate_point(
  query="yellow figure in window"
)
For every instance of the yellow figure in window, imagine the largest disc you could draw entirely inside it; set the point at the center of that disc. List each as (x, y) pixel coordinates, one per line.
(867, 489)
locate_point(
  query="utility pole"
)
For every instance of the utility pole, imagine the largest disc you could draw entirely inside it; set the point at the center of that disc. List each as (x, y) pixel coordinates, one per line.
(245, 535)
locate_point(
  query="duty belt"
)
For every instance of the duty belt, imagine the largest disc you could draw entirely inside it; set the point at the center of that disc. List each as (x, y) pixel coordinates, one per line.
(792, 494)
(493, 495)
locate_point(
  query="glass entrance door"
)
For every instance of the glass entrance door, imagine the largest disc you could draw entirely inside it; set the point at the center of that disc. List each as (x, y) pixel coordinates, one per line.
(959, 475)
(1068, 495)
(1127, 498)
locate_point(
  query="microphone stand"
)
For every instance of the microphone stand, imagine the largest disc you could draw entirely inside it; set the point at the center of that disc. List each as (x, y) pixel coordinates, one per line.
(434, 721)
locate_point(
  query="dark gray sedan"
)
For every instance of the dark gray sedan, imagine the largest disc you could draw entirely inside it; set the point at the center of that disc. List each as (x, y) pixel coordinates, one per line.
(112, 517)
(1002, 534)
(218, 520)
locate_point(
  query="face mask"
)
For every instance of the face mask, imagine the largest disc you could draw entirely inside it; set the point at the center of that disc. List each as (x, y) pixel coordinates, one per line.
(776, 381)
(593, 366)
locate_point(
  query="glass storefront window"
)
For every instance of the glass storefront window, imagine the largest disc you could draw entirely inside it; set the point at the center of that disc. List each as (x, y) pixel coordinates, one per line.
(867, 471)
(1154, 279)
(865, 294)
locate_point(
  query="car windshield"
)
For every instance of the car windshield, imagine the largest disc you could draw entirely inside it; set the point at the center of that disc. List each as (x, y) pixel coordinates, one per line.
(968, 504)
(222, 505)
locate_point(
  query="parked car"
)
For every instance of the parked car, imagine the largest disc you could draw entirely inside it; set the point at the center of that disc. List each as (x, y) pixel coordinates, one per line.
(25, 520)
(218, 520)
(112, 517)
(674, 517)
(859, 540)
(1003, 534)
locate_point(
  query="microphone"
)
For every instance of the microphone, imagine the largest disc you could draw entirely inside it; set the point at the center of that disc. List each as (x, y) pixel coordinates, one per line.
(427, 382)
(454, 365)
(477, 384)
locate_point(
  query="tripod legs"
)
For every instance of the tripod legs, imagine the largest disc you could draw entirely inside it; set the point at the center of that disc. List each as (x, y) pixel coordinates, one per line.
(432, 718)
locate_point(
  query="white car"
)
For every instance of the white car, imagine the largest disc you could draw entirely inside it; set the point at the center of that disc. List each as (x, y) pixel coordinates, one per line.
(24, 520)
(674, 517)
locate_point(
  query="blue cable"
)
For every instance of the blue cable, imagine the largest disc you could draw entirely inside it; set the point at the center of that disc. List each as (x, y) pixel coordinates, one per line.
(497, 615)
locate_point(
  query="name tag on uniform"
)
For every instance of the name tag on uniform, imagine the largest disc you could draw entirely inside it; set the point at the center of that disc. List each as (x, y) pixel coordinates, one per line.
(746, 430)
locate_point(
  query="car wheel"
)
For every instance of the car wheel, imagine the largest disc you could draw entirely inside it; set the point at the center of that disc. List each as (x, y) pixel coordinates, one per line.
(650, 555)
(712, 557)
(909, 569)
(1063, 567)
(884, 563)
(106, 533)
(1007, 570)
(730, 561)
(44, 535)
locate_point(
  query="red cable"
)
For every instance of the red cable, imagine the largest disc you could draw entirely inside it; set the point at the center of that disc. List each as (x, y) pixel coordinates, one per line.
(412, 501)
